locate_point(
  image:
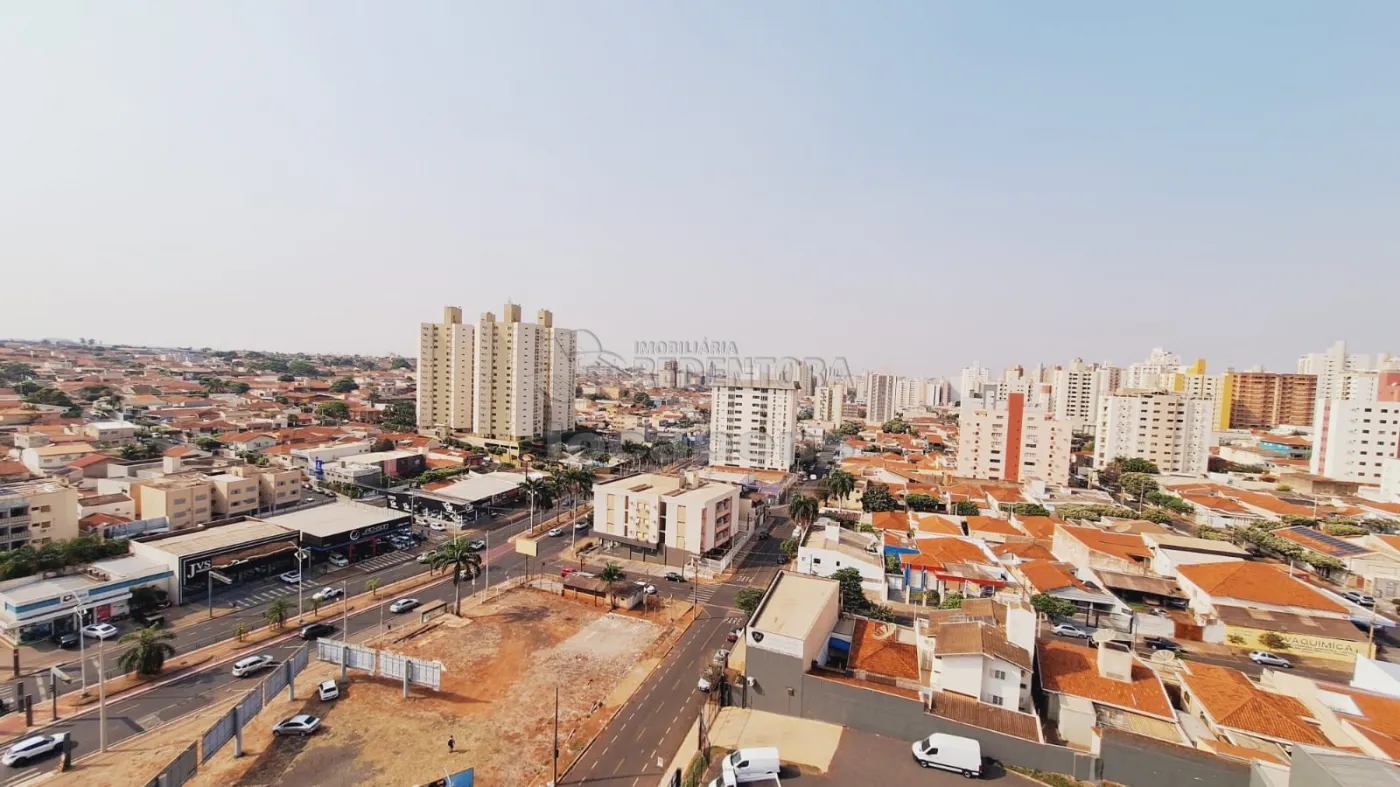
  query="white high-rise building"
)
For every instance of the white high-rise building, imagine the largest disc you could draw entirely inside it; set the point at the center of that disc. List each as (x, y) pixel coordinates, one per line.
(1329, 366)
(880, 404)
(1150, 375)
(909, 393)
(971, 379)
(1169, 429)
(826, 409)
(1358, 435)
(507, 380)
(753, 424)
(938, 392)
(1077, 390)
(1013, 442)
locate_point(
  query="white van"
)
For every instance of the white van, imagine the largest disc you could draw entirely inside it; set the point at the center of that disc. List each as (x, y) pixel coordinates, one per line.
(750, 765)
(951, 753)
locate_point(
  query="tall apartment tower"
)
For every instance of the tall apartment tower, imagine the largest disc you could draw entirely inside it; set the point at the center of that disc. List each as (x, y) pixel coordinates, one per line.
(826, 410)
(506, 379)
(1170, 429)
(880, 403)
(753, 424)
(1013, 442)
(1076, 391)
(445, 390)
(1358, 437)
(971, 379)
(1264, 400)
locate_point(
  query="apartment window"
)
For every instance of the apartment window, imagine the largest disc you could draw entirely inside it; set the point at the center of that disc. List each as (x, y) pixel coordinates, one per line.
(996, 700)
(999, 674)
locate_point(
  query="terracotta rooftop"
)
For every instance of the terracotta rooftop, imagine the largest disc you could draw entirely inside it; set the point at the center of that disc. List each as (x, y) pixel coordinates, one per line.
(1046, 576)
(951, 550)
(935, 524)
(1040, 526)
(958, 639)
(1261, 583)
(1232, 700)
(897, 521)
(1124, 546)
(987, 524)
(989, 717)
(1025, 550)
(875, 649)
(1073, 669)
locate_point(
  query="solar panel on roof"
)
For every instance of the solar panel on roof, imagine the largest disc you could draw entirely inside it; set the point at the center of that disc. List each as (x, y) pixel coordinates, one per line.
(1339, 547)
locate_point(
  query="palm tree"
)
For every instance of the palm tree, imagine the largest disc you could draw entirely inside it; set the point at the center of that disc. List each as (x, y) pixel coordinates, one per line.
(632, 449)
(373, 587)
(149, 648)
(536, 489)
(803, 510)
(612, 572)
(840, 484)
(277, 611)
(461, 559)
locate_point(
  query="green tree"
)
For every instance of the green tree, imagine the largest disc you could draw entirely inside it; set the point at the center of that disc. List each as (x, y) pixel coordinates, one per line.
(642, 399)
(1052, 606)
(840, 484)
(848, 429)
(1137, 485)
(1138, 466)
(1273, 641)
(15, 372)
(464, 562)
(1343, 529)
(401, 414)
(147, 650)
(965, 508)
(382, 444)
(240, 387)
(400, 363)
(539, 491)
(276, 613)
(612, 572)
(315, 605)
(144, 598)
(919, 501)
(895, 425)
(240, 632)
(788, 547)
(803, 510)
(1320, 561)
(208, 444)
(333, 411)
(286, 378)
(877, 497)
(303, 369)
(853, 598)
(344, 385)
(748, 600)
(952, 601)
(373, 586)
(1030, 509)
(49, 396)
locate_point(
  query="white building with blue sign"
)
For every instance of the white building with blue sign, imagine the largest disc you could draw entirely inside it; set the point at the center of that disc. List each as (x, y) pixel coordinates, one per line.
(33, 608)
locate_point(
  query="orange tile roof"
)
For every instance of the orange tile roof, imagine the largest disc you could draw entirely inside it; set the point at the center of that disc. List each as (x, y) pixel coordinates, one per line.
(987, 524)
(1048, 575)
(1025, 550)
(897, 521)
(1004, 495)
(98, 519)
(1261, 583)
(935, 524)
(1225, 749)
(1124, 546)
(1040, 526)
(90, 459)
(1232, 700)
(951, 550)
(875, 649)
(1217, 503)
(8, 468)
(1073, 669)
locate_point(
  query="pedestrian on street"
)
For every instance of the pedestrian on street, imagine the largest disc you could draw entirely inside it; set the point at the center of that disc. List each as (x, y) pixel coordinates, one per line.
(451, 745)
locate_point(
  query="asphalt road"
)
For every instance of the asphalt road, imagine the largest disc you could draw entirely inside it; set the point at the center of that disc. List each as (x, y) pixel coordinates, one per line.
(199, 689)
(1240, 663)
(653, 724)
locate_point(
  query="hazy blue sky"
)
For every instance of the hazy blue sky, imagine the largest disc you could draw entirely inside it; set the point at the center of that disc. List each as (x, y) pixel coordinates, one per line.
(909, 185)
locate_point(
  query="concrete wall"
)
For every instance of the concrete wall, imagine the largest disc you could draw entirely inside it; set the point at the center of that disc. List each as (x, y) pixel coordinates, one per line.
(779, 681)
(1146, 762)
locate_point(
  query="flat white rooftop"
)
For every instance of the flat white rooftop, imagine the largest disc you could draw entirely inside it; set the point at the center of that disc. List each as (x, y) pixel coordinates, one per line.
(338, 517)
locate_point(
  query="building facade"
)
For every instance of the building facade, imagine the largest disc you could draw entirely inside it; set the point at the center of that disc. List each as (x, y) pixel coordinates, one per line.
(665, 518)
(37, 513)
(753, 424)
(1264, 400)
(503, 379)
(880, 401)
(1014, 442)
(826, 407)
(1355, 439)
(1169, 429)
(1076, 391)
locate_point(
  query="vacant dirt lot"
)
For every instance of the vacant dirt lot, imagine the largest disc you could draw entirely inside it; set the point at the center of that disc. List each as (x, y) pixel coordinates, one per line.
(503, 663)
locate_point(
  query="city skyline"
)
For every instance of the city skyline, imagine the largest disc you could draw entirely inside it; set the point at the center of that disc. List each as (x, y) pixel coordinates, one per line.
(692, 172)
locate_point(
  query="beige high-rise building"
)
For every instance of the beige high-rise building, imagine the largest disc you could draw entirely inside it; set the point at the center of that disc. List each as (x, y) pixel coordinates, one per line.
(503, 379)
(826, 408)
(880, 404)
(1170, 429)
(1012, 442)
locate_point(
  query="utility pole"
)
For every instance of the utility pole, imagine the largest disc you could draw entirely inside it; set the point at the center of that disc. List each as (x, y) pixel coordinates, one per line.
(101, 696)
(82, 647)
(209, 576)
(555, 780)
(486, 588)
(345, 609)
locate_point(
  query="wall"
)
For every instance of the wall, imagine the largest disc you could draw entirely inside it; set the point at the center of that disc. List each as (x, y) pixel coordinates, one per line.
(1146, 762)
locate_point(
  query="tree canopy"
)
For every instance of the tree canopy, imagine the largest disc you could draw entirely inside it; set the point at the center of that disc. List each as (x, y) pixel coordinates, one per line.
(344, 385)
(848, 429)
(877, 497)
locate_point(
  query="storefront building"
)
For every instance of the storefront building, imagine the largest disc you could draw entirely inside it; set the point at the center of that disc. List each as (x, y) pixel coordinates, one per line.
(242, 549)
(34, 608)
(355, 530)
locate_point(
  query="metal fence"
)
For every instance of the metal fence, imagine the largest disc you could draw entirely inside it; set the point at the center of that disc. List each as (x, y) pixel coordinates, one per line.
(180, 770)
(216, 736)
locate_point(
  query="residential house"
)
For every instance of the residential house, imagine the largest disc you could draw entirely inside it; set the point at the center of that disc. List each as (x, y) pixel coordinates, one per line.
(1241, 713)
(50, 459)
(979, 660)
(1061, 581)
(1094, 549)
(1088, 689)
(992, 530)
(827, 548)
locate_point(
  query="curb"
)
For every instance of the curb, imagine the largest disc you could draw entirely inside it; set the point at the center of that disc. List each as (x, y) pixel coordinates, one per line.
(619, 709)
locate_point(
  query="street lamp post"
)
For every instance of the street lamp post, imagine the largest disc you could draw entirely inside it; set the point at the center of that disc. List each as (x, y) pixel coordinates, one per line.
(82, 645)
(101, 696)
(345, 609)
(301, 556)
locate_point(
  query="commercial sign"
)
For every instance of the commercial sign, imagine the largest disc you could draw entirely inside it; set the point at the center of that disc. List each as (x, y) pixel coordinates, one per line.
(1305, 644)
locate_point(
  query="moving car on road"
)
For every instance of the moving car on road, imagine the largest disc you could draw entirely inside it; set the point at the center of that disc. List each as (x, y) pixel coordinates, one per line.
(708, 679)
(646, 587)
(100, 631)
(404, 605)
(477, 545)
(328, 594)
(1066, 630)
(291, 577)
(673, 576)
(252, 664)
(67, 640)
(1161, 643)
(31, 748)
(1357, 597)
(555, 532)
(300, 724)
(315, 630)
(1266, 659)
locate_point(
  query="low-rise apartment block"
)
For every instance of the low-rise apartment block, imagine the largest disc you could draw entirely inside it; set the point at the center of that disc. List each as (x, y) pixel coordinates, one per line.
(36, 513)
(667, 519)
(185, 500)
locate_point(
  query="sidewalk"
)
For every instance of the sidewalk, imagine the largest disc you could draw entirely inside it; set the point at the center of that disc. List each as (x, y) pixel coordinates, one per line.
(801, 741)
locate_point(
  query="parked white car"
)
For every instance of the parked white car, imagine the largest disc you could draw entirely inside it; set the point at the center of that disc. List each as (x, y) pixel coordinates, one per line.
(338, 560)
(29, 749)
(100, 631)
(1266, 659)
(437, 526)
(1066, 630)
(328, 690)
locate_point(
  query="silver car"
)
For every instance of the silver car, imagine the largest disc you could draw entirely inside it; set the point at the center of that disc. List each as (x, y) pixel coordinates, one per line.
(1267, 659)
(300, 724)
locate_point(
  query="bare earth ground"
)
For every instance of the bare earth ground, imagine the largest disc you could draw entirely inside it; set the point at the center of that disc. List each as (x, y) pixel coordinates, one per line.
(503, 663)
